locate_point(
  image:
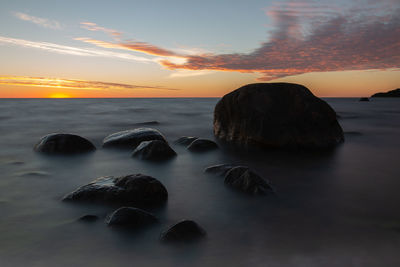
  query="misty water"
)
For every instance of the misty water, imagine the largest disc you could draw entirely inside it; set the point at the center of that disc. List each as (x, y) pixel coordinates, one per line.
(339, 208)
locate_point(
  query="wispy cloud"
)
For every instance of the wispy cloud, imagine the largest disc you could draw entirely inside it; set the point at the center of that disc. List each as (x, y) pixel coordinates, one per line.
(73, 84)
(70, 50)
(94, 27)
(46, 23)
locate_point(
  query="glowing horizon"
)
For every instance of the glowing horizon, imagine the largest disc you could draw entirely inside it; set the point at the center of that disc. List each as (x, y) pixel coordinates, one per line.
(342, 49)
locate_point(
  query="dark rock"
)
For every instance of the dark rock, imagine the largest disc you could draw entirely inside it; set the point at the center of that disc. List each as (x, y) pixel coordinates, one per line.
(183, 231)
(135, 189)
(220, 169)
(200, 145)
(246, 180)
(129, 216)
(185, 140)
(147, 123)
(154, 150)
(276, 115)
(132, 138)
(392, 93)
(364, 99)
(88, 218)
(58, 143)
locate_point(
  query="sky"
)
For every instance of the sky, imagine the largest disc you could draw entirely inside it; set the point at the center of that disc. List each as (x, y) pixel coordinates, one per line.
(177, 48)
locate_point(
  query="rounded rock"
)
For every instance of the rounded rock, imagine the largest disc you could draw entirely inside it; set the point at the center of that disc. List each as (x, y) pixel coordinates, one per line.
(130, 216)
(60, 143)
(183, 231)
(154, 150)
(276, 115)
(132, 138)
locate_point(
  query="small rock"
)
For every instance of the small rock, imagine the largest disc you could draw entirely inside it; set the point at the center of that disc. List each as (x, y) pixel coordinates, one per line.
(220, 169)
(185, 140)
(364, 99)
(88, 218)
(58, 143)
(200, 145)
(129, 216)
(183, 231)
(135, 189)
(132, 138)
(246, 180)
(154, 150)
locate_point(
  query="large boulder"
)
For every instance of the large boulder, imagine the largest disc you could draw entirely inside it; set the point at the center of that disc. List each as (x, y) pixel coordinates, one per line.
(276, 115)
(132, 138)
(130, 216)
(220, 169)
(60, 143)
(134, 189)
(154, 150)
(183, 231)
(392, 93)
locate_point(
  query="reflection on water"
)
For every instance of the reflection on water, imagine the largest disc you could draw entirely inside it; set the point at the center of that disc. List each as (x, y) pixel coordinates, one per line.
(331, 209)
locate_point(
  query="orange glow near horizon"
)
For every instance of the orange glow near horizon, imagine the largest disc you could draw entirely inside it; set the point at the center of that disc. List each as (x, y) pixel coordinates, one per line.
(59, 95)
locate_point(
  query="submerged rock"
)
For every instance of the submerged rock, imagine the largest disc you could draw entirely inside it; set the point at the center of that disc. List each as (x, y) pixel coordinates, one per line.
(183, 231)
(242, 178)
(154, 150)
(130, 216)
(246, 180)
(220, 169)
(59, 143)
(392, 93)
(277, 115)
(136, 189)
(364, 99)
(132, 138)
(88, 218)
(185, 140)
(200, 145)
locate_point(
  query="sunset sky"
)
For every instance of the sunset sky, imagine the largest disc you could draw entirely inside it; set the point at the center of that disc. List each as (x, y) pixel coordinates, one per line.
(159, 48)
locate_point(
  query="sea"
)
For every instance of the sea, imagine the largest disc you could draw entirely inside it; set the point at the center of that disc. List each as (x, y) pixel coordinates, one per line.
(337, 208)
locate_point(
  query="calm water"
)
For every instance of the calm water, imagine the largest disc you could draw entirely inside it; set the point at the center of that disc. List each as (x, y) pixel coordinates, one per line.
(335, 209)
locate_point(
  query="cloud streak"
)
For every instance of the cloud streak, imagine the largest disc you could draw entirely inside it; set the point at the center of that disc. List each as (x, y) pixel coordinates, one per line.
(94, 27)
(70, 50)
(73, 84)
(46, 23)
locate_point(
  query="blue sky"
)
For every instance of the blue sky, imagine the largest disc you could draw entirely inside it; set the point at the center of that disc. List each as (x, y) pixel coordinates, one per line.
(207, 47)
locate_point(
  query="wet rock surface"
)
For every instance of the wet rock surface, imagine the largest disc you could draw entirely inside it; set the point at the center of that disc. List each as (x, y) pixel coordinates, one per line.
(242, 178)
(130, 216)
(185, 140)
(135, 189)
(154, 150)
(88, 218)
(130, 139)
(202, 145)
(184, 231)
(276, 115)
(60, 143)
(246, 180)
(220, 169)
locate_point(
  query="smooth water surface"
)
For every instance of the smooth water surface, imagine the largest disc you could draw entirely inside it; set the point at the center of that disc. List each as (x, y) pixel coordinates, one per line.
(332, 209)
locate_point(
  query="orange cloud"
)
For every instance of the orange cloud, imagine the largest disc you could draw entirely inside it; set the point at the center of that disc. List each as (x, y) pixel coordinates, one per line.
(72, 84)
(142, 47)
